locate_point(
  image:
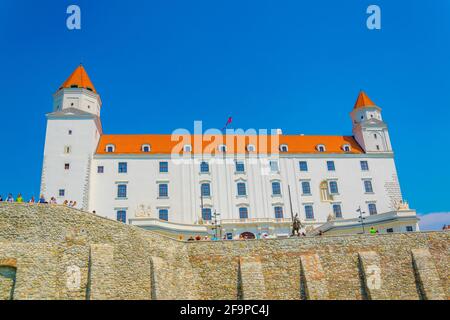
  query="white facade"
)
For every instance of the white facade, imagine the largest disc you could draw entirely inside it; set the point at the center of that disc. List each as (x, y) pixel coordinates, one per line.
(73, 163)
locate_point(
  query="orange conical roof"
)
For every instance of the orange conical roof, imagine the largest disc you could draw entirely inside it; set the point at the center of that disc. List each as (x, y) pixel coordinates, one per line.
(79, 79)
(363, 101)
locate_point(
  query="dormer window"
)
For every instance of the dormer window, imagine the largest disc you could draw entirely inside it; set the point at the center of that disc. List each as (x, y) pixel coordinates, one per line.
(110, 148)
(222, 148)
(74, 86)
(284, 148)
(346, 148)
(320, 148)
(251, 148)
(187, 148)
(145, 148)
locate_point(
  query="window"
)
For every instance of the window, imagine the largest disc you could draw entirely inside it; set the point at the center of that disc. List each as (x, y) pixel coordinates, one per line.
(333, 187)
(330, 166)
(364, 165)
(368, 186)
(346, 148)
(163, 190)
(372, 208)
(240, 167)
(389, 230)
(70, 132)
(145, 148)
(278, 212)
(222, 148)
(163, 214)
(337, 210)
(243, 213)
(204, 167)
(375, 135)
(110, 148)
(303, 165)
(66, 166)
(187, 148)
(122, 216)
(320, 148)
(241, 189)
(284, 148)
(309, 212)
(163, 166)
(276, 188)
(273, 166)
(206, 214)
(409, 229)
(378, 147)
(121, 191)
(100, 169)
(61, 192)
(205, 189)
(67, 149)
(122, 167)
(306, 187)
(251, 148)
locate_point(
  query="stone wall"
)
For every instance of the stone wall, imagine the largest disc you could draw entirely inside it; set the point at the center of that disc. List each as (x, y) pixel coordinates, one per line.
(54, 252)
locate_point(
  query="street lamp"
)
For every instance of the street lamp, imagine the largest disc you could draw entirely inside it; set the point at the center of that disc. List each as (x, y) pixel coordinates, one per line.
(216, 227)
(361, 218)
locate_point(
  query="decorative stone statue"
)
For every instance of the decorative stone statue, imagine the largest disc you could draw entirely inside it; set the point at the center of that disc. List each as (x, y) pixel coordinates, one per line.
(296, 226)
(143, 212)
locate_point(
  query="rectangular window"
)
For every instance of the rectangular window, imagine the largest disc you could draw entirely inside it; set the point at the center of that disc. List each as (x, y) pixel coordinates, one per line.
(121, 191)
(409, 229)
(204, 167)
(164, 214)
(337, 211)
(163, 166)
(122, 167)
(372, 209)
(240, 167)
(206, 189)
(206, 214)
(243, 213)
(333, 187)
(273, 166)
(122, 216)
(241, 189)
(278, 212)
(364, 165)
(309, 212)
(100, 169)
(368, 186)
(306, 187)
(330, 166)
(61, 192)
(67, 149)
(163, 190)
(276, 188)
(389, 230)
(66, 166)
(303, 165)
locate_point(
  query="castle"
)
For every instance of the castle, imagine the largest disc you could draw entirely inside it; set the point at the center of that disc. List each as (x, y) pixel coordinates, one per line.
(180, 183)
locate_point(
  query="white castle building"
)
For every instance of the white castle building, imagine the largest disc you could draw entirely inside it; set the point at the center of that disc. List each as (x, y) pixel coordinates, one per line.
(255, 182)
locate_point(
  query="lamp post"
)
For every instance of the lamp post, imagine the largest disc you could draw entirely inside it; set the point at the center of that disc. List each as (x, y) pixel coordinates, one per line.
(217, 226)
(361, 218)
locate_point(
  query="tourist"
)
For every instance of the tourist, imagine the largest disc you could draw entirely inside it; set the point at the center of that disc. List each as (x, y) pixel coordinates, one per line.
(10, 198)
(70, 204)
(52, 200)
(191, 238)
(1, 198)
(74, 204)
(373, 230)
(19, 198)
(206, 238)
(65, 203)
(94, 212)
(32, 200)
(320, 233)
(198, 238)
(42, 199)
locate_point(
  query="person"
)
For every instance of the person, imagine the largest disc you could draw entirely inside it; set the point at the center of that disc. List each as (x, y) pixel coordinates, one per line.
(53, 200)
(191, 238)
(94, 212)
(65, 203)
(32, 200)
(19, 198)
(198, 238)
(443, 228)
(74, 204)
(373, 230)
(10, 198)
(42, 199)
(206, 238)
(320, 232)
(70, 204)
(1, 198)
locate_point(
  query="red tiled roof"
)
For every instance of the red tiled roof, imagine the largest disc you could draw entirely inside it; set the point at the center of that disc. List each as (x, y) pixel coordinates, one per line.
(363, 101)
(79, 79)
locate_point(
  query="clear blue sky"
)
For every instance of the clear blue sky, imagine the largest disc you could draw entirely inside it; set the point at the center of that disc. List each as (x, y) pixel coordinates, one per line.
(160, 65)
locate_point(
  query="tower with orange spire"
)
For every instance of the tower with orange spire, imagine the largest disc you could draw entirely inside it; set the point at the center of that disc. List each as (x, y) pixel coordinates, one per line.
(73, 131)
(369, 129)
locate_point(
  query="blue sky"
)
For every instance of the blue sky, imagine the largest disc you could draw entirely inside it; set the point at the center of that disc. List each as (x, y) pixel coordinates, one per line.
(160, 65)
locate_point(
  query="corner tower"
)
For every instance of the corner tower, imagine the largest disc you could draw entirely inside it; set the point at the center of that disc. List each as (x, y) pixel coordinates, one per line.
(73, 131)
(369, 129)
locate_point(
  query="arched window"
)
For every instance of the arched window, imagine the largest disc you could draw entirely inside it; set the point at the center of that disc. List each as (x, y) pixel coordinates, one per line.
(346, 148)
(110, 148)
(205, 189)
(284, 148)
(321, 148)
(204, 167)
(145, 148)
(324, 193)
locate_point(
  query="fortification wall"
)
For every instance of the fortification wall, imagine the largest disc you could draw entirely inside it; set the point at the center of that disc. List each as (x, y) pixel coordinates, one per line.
(54, 252)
